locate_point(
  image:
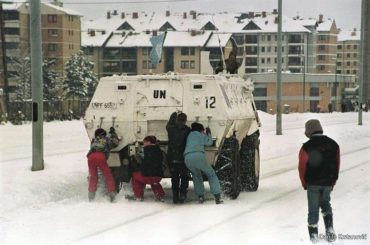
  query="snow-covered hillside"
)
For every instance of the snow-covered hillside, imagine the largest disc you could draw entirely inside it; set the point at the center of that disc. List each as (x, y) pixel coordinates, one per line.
(51, 206)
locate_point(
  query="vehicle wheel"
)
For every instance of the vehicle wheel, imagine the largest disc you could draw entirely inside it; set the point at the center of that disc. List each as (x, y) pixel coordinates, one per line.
(228, 168)
(250, 162)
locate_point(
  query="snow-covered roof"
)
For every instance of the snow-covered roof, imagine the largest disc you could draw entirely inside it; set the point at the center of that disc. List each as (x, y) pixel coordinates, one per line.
(184, 23)
(95, 41)
(214, 40)
(186, 39)
(349, 35)
(325, 25)
(63, 9)
(129, 39)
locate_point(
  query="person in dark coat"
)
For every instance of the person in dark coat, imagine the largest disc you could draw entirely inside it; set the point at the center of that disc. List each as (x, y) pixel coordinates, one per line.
(97, 159)
(196, 161)
(319, 162)
(151, 171)
(177, 133)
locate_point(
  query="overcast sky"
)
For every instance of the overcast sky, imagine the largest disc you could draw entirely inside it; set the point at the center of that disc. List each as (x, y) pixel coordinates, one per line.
(345, 12)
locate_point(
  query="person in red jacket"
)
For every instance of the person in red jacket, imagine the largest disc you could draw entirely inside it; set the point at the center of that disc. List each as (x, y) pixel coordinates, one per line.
(97, 159)
(150, 171)
(319, 162)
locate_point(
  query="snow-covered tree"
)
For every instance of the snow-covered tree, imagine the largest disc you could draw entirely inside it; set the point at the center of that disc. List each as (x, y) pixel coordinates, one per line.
(80, 80)
(23, 77)
(52, 81)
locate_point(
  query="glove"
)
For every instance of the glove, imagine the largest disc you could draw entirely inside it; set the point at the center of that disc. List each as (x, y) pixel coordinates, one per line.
(208, 130)
(112, 130)
(305, 187)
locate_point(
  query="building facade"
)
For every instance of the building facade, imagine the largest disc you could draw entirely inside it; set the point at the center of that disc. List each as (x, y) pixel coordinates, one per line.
(61, 37)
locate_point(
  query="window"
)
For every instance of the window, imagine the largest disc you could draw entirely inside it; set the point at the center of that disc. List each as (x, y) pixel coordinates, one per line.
(262, 49)
(339, 55)
(251, 39)
(355, 63)
(354, 46)
(128, 66)
(321, 57)
(339, 46)
(184, 64)
(11, 31)
(52, 18)
(348, 55)
(187, 51)
(146, 51)
(348, 46)
(70, 18)
(348, 63)
(239, 39)
(269, 38)
(339, 63)
(323, 38)
(275, 60)
(260, 92)
(263, 60)
(11, 45)
(147, 64)
(276, 38)
(268, 49)
(322, 47)
(355, 55)
(250, 50)
(128, 53)
(52, 47)
(111, 53)
(111, 66)
(314, 91)
(262, 37)
(275, 49)
(354, 72)
(52, 32)
(268, 60)
(348, 71)
(321, 67)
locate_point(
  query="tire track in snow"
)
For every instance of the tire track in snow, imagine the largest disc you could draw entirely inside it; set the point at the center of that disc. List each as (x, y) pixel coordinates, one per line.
(259, 205)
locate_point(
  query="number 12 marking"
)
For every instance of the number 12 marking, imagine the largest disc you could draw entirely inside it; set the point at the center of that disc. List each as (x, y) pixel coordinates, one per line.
(210, 103)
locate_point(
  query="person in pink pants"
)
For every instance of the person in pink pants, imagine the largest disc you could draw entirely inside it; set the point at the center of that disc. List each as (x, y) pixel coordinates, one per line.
(150, 171)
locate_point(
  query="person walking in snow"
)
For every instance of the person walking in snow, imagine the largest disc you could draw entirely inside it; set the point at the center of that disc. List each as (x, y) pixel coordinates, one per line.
(150, 170)
(196, 162)
(319, 162)
(97, 159)
(177, 133)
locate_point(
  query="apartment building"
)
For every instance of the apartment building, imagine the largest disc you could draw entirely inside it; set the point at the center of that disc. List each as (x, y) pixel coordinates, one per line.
(348, 52)
(61, 36)
(301, 92)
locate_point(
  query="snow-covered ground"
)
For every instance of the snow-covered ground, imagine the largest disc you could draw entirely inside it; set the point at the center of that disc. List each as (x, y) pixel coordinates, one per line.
(51, 206)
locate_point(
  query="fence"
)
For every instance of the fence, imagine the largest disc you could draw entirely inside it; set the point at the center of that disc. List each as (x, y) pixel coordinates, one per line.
(53, 110)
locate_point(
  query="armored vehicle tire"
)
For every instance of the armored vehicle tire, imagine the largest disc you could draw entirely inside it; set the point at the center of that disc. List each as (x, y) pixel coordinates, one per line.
(228, 168)
(250, 162)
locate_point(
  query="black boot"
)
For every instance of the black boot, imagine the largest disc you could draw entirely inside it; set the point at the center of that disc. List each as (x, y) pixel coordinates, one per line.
(175, 197)
(218, 199)
(314, 236)
(182, 196)
(329, 230)
(201, 199)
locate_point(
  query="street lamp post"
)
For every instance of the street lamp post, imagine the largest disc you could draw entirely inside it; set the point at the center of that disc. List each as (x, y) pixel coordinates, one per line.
(334, 94)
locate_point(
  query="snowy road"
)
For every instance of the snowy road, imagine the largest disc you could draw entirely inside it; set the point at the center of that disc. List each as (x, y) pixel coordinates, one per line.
(50, 207)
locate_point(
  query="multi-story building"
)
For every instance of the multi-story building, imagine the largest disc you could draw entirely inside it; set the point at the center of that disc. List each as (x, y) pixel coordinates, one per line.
(311, 92)
(61, 36)
(348, 52)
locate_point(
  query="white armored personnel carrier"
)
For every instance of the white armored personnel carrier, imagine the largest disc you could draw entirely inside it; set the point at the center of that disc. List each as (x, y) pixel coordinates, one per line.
(137, 106)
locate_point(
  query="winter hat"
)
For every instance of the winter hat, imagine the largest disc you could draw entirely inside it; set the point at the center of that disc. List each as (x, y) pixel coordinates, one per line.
(100, 132)
(313, 126)
(181, 118)
(197, 127)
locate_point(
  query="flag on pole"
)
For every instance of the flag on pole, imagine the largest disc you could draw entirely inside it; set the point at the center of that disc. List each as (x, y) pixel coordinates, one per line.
(156, 53)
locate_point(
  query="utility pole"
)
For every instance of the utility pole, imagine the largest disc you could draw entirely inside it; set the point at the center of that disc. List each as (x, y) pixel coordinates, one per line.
(3, 51)
(363, 55)
(278, 73)
(37, 86)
